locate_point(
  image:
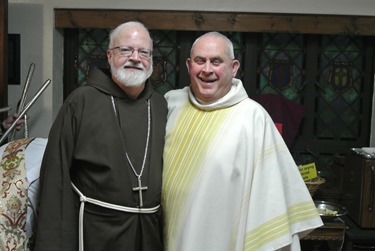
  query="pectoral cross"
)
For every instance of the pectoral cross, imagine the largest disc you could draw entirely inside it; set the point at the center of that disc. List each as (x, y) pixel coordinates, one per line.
(140, 189)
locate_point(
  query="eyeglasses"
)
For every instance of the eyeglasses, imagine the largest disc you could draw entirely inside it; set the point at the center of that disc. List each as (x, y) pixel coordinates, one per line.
(128, 51)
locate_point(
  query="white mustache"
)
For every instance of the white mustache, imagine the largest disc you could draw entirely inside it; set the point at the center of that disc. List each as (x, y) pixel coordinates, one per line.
(136, 65)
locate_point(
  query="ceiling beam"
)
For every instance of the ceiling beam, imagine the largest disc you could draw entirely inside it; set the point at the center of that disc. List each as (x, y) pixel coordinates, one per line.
(218, 21)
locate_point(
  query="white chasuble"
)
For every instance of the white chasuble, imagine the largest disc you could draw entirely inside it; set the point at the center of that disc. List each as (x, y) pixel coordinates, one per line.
(229, 181)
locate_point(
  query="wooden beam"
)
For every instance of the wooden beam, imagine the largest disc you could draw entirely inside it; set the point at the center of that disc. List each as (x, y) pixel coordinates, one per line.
(219, 21)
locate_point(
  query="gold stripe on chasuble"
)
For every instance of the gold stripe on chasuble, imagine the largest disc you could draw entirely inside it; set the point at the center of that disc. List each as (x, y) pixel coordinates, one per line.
(279, 226)
(270, 151)
(192, 136)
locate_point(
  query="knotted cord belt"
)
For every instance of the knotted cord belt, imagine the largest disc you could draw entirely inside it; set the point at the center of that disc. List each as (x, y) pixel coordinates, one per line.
(84, 199)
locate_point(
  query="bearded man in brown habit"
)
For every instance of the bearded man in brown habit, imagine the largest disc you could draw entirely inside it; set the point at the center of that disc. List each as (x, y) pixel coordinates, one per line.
(102, 169)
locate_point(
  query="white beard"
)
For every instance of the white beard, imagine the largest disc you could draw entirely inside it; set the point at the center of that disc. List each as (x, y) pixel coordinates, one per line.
(131, 78)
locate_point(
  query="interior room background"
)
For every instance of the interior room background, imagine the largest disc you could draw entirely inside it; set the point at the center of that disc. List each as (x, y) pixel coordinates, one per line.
(331, 75)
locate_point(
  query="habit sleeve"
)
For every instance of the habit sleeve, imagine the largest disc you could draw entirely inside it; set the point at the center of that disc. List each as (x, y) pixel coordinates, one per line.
(58, 217)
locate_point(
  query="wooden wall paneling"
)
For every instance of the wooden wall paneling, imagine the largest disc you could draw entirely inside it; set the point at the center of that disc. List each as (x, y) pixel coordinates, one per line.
(219, 21)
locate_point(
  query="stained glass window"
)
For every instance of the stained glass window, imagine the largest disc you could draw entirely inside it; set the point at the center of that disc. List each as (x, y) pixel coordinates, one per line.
(338, 98)
(340, 88)
(281, 65)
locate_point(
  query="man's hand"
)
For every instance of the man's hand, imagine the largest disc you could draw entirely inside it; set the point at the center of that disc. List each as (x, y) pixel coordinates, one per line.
(9, 121)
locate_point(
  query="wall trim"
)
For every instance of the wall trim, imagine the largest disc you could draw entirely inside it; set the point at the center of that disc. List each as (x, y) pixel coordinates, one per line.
(219, 21)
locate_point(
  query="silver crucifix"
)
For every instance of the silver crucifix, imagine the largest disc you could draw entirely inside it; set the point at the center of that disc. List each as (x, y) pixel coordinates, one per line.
(140, 189)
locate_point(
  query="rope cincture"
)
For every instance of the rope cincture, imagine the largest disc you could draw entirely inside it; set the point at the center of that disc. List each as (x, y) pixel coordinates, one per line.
(85, 199)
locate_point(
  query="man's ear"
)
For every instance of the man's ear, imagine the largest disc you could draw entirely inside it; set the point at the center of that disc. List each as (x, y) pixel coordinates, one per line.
(109, 55)
(188, 61)
(235, 67)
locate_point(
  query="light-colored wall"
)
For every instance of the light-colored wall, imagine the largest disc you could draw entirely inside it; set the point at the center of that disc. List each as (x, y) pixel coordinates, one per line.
(42, 44)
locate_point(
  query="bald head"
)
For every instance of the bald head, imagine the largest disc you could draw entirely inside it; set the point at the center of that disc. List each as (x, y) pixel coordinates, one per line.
(215, 34)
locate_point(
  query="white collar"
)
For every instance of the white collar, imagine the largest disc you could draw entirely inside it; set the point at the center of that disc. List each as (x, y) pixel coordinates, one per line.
(236, 94)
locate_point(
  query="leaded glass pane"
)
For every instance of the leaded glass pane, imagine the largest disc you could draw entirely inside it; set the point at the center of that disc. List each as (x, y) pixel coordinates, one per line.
(339, 88)
(281, 65)
(238, 47)
(164, 55)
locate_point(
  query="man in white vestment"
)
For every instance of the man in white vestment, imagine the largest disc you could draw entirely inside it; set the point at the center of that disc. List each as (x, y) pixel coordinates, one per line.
(229, 180)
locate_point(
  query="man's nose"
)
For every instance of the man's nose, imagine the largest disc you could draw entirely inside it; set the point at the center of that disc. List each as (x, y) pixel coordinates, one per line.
(135, 56)
(207, 66)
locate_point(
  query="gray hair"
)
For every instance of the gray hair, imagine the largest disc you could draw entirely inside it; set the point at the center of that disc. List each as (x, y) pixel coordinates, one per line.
(121, 27)
(230, 49)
